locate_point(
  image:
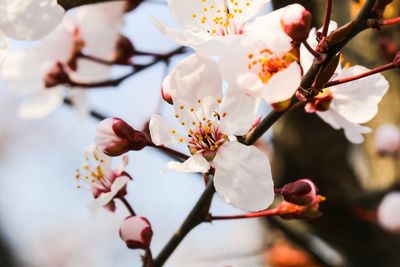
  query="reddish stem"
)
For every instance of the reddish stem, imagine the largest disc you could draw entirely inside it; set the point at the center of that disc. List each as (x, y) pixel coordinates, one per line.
(265, 213)
(388, 22)
(173, 152)
(327, 18)
(310, 49)
(361, 75)
(128, 206)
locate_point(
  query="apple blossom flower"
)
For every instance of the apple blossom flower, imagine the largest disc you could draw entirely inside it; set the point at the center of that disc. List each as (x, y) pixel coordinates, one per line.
(388, 212)
(31, 70)
(211, 120)
(115, 137)
(106, 184)
(264, 63)
(346, 106)
(211, 25)
(350, 104)
(136, 232)
(387, 140)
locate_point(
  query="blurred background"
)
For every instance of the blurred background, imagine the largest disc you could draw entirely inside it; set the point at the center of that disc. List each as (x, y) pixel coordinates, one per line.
(46, 222)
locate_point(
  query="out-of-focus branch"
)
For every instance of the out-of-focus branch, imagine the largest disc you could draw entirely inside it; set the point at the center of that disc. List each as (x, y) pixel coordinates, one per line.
(68, 4)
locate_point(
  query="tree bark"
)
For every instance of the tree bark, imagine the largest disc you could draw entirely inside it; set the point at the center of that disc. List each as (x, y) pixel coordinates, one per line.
(305, 146)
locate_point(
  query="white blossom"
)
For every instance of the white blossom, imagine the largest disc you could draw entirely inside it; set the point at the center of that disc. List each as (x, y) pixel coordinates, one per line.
(264, 63)
(211, 119)
(212, 25)
(95, 29)
(348, 104)
(105, 182)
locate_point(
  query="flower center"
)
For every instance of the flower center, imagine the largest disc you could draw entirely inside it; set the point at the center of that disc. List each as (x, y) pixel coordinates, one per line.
(320, 102)
(267, 64)
(206, 139)
(225, 20)
(93, 174)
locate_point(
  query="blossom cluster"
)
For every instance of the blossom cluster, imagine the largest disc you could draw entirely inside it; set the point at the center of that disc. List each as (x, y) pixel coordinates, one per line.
(241, 61)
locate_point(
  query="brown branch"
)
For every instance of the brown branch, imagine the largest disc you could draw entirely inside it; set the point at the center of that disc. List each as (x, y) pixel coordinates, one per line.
(68, 4)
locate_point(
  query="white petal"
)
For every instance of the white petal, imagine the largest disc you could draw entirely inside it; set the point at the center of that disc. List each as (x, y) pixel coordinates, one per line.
(280, 87)
(358, 101)
(237, 111)
(40, 104)
(162, 133)
(243, 177)
(195, 79)
(283, 84)
(234, 61)
(196, 163)
(353, 131)
(119, 183)
(202, 42)
(183, 11)
(105, 134)
(105, 198)
(29, 20)
(268, 30)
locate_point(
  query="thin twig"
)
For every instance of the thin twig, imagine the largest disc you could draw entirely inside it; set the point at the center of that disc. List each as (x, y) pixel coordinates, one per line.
(327, 19)
(128, 206)
(361, 75)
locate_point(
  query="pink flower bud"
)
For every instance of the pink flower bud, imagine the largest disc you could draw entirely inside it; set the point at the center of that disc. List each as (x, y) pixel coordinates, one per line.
(301, 192)
(136, 232)
(56, 76)
(296, 22)
(115, 137)
(387, 140)
(388, 212)
(165, 90)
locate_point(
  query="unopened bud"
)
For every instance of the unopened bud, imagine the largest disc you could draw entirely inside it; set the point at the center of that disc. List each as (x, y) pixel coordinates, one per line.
(387, 140)
(136, 232)
(116, 137)
(56, 76)
(388, 214)
(124, 50)
(296, 22)
(301, 192)
(165, 90)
